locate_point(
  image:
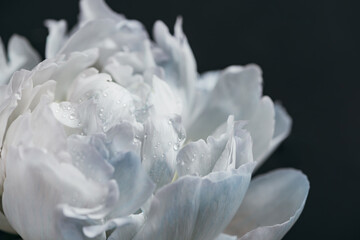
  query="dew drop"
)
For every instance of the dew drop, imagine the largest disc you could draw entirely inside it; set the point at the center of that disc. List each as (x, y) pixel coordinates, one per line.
(72, 116)
(176, 146)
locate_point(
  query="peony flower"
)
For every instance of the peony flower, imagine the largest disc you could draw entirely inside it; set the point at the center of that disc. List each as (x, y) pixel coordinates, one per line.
(115, 136)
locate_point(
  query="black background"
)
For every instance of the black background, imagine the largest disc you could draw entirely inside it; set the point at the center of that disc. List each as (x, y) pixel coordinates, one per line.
(309, 54)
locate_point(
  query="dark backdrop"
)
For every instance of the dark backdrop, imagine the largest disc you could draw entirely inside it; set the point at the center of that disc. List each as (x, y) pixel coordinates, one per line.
(308, 51)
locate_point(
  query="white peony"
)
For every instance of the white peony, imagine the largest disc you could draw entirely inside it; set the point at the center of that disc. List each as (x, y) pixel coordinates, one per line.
(115, 136)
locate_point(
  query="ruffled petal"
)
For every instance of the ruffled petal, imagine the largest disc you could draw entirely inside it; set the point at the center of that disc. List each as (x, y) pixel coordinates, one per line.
(271, 206)
(29, 153)
(196, 208)
(108, 36)
(180, 67)
(37, 218)
(229, 147)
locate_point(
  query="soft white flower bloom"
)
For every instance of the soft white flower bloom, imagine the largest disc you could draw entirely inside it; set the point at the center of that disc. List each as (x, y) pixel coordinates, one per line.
(115, 136)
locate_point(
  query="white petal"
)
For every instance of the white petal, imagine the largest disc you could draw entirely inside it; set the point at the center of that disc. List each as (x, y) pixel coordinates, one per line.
(163, 100)
(163, 137)
(56, 37)
(196, 208)
(74, 63)
(203, 88)
(261, 127)
(230, 148)
(108, 36)
(180, 69)
(97, 9)
(271, 206)
(37, 218)
(237, 92)
(21, 55)
(283, 124)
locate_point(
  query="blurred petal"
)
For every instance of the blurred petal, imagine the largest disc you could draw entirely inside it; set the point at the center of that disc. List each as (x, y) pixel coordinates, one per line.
(97, 9)
(56, 37)
(21, 56)
(128, 231)
(74, 63)
(271, 206)
(107, 35)
(163, 100)
(283, 124)
(226, 237)
(196, 208)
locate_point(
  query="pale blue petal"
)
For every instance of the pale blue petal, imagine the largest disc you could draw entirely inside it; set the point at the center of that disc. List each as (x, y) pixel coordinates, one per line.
(271, 206)
(196, 208)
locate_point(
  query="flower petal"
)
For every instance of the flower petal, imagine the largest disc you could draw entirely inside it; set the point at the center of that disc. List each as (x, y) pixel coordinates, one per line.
(180, 68)
(36, 218)
(196, 208)
(21, 55)
(163, 99)
(163, 137)
(134, 184)
(230, 148)
(283, 123)
(271, 206)
(237, 92)
(56, 37)
(128, 231)
(261, 127)
(97, 9)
